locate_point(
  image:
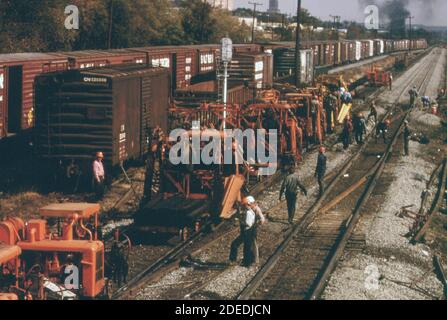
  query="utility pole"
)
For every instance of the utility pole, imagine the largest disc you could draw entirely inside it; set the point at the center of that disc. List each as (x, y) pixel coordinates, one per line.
(109, 41)
(255, 5)
(298, 46)
(336, 24)
(410, 35)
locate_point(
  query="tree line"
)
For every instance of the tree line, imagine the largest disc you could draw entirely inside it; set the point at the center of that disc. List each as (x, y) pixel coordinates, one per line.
(39, 25)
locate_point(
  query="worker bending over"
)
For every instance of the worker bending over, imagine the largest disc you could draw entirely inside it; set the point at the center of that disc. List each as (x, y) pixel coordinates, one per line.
(382, 130)
(290, 186)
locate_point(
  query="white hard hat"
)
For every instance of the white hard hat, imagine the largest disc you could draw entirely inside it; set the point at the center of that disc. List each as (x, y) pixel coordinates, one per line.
(250, 200)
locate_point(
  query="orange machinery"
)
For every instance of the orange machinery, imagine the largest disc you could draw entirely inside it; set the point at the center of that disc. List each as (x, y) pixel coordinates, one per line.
(46, 255)
(9, 271)
(378, 77)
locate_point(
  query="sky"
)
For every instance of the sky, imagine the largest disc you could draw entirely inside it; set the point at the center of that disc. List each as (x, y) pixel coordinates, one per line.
(351, 9)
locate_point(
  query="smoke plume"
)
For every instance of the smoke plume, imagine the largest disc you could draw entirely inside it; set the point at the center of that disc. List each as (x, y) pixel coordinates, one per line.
(395, 12)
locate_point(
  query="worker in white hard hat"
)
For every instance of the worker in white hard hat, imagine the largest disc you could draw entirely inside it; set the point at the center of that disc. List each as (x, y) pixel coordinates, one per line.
(99, 176)
(250, 218)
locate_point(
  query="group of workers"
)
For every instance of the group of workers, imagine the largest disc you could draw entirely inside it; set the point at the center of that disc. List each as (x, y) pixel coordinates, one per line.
(291, 185)
(251, 216)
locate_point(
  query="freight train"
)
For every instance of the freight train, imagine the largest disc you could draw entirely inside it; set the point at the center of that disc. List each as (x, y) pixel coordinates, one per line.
(188, 66)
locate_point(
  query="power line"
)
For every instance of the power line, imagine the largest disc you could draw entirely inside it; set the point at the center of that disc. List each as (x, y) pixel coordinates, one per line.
(298, 45)
(410, 35)
(255, 5)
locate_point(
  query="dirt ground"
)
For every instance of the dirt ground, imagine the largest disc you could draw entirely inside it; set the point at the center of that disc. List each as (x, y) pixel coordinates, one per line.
(390, 267)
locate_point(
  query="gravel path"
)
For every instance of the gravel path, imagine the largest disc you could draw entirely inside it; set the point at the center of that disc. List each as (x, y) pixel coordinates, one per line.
(390, 267)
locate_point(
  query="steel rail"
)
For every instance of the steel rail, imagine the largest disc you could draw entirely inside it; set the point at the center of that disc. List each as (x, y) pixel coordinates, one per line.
(313, 211)
(175, 256)
(439, 198)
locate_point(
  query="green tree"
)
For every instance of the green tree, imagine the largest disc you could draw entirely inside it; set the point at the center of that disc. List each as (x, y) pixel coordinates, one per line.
(34, 25)
(198, 23)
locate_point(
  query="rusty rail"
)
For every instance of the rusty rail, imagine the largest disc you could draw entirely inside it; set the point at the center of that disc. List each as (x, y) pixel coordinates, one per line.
(352, 222)
(172, 259)
(436, 204)
(441, 272)
(313, 211)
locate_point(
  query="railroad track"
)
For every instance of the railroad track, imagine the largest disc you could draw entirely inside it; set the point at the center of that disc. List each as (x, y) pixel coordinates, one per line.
(173, 258)
(311, 250)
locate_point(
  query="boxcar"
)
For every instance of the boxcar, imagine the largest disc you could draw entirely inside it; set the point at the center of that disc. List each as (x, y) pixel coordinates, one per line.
(17, 75)
(358, 51)
(389, 46)
(379, 47)
(111, 110)
(338, 49)
(206, 59)
(329, 53)
(95, 59)
(207, 92)
(251, 68)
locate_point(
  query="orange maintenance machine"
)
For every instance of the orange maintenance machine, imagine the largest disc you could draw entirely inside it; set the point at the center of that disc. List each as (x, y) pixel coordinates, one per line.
(9, 271)
(66, 264)
(73, 218)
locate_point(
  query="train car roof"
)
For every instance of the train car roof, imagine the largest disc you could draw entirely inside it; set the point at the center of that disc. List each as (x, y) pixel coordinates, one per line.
(120, 71)
(28, 56)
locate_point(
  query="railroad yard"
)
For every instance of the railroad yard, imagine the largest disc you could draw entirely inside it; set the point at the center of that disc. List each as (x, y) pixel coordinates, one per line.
(158, 172)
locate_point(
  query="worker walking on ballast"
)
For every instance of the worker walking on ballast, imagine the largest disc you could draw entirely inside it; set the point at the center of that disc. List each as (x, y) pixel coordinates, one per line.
(359, 128)
(320, 171)
(250, 218)
(290, 187)
(372, 112)
(413, 96)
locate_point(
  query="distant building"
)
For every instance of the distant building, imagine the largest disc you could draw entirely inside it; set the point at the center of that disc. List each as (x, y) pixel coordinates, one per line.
(224, 4)
(248, 21)
(273, 6)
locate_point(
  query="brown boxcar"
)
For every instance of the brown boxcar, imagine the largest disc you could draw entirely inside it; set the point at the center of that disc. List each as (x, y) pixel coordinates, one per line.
(17, 74)
(206, 59)
(337, 50)
(111, 110)
(344, 51)
(389, 46)
(246, 48)
(328, 53)
(251, 68)
(208, 92)
(96, 59)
